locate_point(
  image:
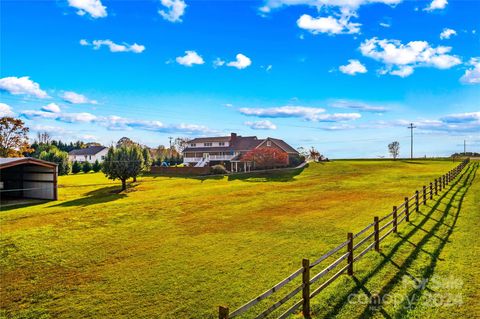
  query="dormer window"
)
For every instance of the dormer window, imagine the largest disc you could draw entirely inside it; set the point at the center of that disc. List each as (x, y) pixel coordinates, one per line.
(193, 144)
(207, 144)
(269, 143)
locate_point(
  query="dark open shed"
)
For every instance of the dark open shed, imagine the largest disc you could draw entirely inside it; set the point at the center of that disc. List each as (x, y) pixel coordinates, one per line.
(26, 177)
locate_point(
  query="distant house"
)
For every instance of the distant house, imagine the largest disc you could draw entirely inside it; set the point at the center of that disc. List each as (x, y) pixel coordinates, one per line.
(89, 154)
(229, 151)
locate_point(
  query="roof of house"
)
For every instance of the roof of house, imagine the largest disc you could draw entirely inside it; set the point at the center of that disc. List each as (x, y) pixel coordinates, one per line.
(210, 139)
(237, 143)
(283, 145)
(92, 150)
(13, 161)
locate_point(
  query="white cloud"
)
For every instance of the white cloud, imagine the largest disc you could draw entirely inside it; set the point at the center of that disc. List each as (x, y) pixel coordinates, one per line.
(353, 67)
(472, 75)
(308, 113)
(460, 123)
(93, 7)
(22, 85)
(218, 63)
(174, 10)
(241, 62)
(114, 47)
(52, 107)
(83, 117)
(436, 5)
(351, 4)
(330, 24)
(6, 110)
(359, 106)
(75, 98)
(114, 122)
(401, 59)
(447, 33)
(385, 25)
(190, 58)
(261, 125)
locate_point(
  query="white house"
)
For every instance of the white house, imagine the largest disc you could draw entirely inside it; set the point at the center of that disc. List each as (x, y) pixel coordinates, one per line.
(89, 154)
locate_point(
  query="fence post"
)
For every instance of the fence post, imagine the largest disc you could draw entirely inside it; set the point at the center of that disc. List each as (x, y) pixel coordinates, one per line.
(416, 201)
(424, 195)
(223, 312)
(407, 209)
(394, 219)
(377, 235)
(350, 253)
(440, 184)
(436, 187)
(306, 288)
(443, 178)
(431, 190)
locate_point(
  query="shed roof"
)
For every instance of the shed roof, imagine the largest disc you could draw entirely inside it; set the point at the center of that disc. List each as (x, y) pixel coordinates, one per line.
(13, 161)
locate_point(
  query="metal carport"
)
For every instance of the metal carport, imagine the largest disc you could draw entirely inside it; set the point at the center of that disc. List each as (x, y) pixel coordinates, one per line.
(26, 177)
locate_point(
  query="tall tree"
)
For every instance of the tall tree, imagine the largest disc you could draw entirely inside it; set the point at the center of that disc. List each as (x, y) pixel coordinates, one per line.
(394, 149)
(125, 141)
(180, 143)
(53, 154)
(13, 137)
(122, 163)
(43, 138)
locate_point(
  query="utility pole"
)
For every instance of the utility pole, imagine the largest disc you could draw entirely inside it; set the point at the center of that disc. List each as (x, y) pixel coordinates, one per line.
(411, 127)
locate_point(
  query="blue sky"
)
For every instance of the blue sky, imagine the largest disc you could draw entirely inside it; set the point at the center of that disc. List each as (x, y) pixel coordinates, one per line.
(345, 76)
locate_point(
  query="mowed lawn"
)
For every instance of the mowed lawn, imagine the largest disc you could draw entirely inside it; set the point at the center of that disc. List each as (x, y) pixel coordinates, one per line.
(179, 247)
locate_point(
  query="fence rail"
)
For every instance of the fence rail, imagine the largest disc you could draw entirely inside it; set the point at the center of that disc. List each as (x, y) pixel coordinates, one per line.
(399, 214)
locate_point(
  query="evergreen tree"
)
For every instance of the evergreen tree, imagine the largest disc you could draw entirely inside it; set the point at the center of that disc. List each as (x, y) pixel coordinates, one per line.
(96, 166)
(76, 167)
(87, 167)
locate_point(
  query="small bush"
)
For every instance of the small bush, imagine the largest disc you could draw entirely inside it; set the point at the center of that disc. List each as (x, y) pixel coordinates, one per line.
(87, 167)
(76, 167)
(218, 169)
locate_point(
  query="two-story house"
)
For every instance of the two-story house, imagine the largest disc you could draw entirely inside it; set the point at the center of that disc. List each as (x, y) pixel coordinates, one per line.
(89, 154)
(228, 151)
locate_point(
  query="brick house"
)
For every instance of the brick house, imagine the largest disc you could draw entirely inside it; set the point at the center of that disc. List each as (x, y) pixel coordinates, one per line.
(229, 150)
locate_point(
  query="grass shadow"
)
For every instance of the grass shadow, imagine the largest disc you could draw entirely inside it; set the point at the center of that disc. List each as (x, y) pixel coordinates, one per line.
(9, 205)
(467, 179)
(283, 175)
(97, 196)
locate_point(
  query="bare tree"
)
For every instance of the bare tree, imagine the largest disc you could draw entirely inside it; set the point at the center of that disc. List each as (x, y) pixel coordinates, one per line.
(43, 138)
(394, 149)
(314, 154)
(180, 143)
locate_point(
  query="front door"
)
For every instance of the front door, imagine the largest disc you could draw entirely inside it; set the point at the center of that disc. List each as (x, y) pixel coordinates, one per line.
(206, 155)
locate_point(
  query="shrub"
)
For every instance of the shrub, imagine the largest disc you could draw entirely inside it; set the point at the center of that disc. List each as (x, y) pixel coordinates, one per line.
(76, 167)
(96, 166)
(87, 167)
(218, 169)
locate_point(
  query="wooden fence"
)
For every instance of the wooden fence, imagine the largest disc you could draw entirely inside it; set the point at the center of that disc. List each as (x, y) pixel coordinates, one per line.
(394, 219)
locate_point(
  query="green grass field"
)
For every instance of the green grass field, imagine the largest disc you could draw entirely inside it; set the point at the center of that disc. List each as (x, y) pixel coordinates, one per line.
(179, 247)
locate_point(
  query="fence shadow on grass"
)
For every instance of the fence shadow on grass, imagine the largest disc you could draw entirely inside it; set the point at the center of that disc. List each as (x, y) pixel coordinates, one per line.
(97, 196)
(458, 189)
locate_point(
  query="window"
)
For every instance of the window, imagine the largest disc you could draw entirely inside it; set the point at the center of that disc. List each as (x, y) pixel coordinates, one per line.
(221, 143)
(269, 143)
(193, 144)
(207, 144)
(103, 157)
(90, 157)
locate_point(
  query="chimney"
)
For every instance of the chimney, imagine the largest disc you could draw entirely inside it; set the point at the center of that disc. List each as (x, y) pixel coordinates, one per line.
(233, 137)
